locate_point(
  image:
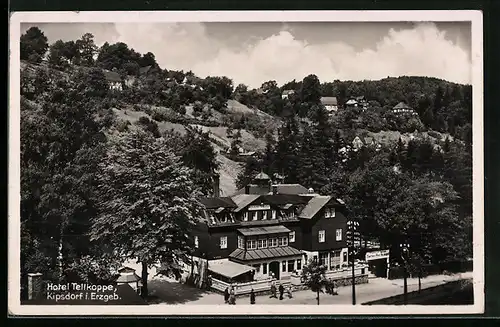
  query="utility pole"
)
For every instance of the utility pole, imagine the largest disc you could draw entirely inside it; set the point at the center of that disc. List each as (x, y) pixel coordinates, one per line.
(405, 251)
(352, 226)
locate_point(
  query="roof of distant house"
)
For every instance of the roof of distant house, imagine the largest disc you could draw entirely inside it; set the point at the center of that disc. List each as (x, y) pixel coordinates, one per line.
(262, 176)
(144, 70)
(351, 101)
(401, 105)
(314, 205)
(361, 97)
(288, 92)
(112, 76)
(329, 101)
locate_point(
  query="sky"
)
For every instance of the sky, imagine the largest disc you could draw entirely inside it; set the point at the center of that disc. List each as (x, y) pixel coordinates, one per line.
(252, 53)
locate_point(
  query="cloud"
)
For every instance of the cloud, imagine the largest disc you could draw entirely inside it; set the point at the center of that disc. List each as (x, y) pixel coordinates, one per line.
(421, 50)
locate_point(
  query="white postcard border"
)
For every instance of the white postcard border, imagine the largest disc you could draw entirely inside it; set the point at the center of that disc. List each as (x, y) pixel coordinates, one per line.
(14, 304)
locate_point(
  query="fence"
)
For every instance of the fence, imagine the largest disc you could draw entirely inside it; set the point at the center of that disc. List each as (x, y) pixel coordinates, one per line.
(243, 288)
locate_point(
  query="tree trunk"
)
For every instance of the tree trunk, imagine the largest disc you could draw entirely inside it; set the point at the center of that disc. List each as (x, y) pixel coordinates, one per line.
(317, 297)
(144, 276)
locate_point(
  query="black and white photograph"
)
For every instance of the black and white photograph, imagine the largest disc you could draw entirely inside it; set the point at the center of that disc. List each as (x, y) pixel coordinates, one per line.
(235, 163)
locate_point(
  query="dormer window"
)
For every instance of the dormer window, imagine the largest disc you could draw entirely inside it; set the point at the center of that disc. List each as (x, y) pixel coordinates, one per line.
(329, 212)
(245, 216)
(273, 214)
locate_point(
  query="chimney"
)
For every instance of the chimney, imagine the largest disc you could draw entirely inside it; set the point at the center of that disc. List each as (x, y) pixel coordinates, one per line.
(34, 286)
(247, 189)
(216, 187)
(275, 189)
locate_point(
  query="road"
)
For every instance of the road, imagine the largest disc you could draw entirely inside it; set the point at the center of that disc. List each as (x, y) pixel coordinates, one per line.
(377, 288)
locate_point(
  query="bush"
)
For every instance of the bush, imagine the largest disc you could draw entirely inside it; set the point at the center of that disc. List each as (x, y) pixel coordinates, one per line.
(159, 116)
(434, 134)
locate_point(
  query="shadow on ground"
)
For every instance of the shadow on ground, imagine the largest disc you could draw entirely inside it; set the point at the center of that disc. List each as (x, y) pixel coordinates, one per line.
(172, 292)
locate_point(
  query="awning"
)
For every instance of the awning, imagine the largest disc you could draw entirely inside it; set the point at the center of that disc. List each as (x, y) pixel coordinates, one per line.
(228, 268)
(264, 230)
(269, 253)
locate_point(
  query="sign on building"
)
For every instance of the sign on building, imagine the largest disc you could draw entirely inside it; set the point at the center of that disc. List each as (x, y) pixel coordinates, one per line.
(375, 255)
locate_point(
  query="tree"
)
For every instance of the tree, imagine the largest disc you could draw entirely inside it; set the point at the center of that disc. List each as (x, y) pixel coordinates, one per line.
(313, 276)
(87, 49)
(33, 45)
(311, 89)
(236, 143)
(56, 57)
(148, 203)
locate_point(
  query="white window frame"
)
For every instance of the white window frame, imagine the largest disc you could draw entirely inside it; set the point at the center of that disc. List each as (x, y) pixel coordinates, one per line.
(223, 242)
(241, 242)
(262, 243)
(298, 264)
(284, 241)
(273, 242)
(255, 216)
(284, 266)
(264, 215)
(321, 236)
(273, 214)
(291, 237)
(245, 216)
(196, 242)
(251, 244)
(338, 234)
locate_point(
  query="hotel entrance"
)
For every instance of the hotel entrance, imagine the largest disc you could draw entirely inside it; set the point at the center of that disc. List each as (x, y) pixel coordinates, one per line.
(378, 263)
(274, 267)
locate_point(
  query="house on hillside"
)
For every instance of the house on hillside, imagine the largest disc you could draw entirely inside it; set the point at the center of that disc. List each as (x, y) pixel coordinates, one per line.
(361, 100)
(403, 109)
(330, 103)
(287, 93)
(351, 103)
(357, 143)
(272, 228)
(114, 80)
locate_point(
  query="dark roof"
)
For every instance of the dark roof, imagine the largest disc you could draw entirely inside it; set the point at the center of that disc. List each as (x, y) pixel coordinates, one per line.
(228, 268)
(144, 70)
(126, 296)
(401, 105)
(214, 203)
(112, 76)
(128, 278)
(266, 230)
(329, 101)
(253, 189)
(315, 204)
(281, 199)
(288, 189)
(126, 269)
(269, 253)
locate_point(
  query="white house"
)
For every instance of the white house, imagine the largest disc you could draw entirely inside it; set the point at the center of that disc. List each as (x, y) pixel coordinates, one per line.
(330, 103)
(287, 93)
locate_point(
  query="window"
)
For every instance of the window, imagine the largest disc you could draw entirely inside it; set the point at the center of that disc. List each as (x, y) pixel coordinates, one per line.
(245, 216)
(241, 242)
(291, 265)
(344, 256)
(262, 244)
(273, 242)
(257, 267)
(283, 241)
(321, 236)
(264, 268)
(299, 264)
(291, 237)
(329, 212)
(264, 215)
(335, 260)
(338, 235)
(251, 244)
(223, 242)
(273, 214)
(283, 266)
(323, 258)
(196, 242)
(255, 215)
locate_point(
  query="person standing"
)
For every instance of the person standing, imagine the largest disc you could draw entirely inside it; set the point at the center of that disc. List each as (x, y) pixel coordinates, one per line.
(226, 295)
(289, 290)
(232, 296)
(273, 290)
(252, 297)
(282, 290)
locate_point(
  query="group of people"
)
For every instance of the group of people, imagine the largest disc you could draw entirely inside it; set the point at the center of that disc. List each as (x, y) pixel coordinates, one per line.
(230, 295)
(281, 290)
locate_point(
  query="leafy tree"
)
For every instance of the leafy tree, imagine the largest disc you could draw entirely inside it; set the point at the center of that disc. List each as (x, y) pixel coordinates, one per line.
(56, 57)
(33, 45)
(87, 49)
(148, 203)
(310, 91)
(236, 143)
(313, 277)
(252, 167)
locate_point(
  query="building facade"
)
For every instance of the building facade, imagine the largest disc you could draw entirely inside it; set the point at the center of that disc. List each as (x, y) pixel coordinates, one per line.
(274, 228)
